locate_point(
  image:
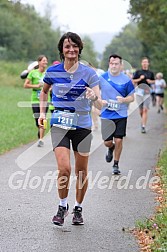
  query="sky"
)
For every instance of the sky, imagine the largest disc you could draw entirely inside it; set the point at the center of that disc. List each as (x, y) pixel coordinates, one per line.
(85, 16)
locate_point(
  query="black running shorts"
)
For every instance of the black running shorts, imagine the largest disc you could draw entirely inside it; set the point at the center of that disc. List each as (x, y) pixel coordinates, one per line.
(79, 138)
(113, 128)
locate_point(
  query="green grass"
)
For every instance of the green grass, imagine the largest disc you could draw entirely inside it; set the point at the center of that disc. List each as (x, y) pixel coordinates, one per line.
(17, 124)
(160, 221)
(156, 227)
(10, 73)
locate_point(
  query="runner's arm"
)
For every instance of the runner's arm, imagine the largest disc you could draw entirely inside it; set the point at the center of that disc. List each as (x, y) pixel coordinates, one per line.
(127, 99)
(28, 84)
(43, 103)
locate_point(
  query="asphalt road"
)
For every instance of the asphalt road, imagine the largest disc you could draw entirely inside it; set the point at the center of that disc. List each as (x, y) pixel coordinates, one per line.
(29, 196)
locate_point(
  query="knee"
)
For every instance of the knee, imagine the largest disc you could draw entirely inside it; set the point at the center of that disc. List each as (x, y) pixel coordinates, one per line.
(64, 171)
(145, 110)
(108, 143)
(118, 141)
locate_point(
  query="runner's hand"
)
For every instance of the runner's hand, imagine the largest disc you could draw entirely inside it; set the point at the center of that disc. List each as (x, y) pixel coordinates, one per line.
(120, 99)
(142, 76)
(90, 94)
(41, 121)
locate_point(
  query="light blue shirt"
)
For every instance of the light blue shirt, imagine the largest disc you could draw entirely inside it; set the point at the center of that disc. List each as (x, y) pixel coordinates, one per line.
(111, 87)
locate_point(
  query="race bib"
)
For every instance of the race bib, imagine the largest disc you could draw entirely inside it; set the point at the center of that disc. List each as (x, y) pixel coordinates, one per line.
(64, 120)
(113, 105)
(140, 91)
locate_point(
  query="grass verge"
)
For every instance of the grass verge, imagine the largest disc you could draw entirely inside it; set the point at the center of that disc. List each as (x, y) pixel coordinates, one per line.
(152, 233)
(17, 124)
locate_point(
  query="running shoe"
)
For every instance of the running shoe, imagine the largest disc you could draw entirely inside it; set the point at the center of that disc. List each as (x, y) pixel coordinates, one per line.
(77, 218)
(143, 130)
(62, 212)
(40, 143)
(161, 107)
(109, 155)
(116, 170)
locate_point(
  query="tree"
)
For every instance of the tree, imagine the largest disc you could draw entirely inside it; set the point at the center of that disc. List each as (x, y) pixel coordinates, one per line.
(88, 53)
(152, 22)
(24, 34)
(126, 44)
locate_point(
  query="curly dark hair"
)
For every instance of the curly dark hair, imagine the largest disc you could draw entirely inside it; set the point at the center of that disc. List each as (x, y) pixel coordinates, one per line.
(75, 38)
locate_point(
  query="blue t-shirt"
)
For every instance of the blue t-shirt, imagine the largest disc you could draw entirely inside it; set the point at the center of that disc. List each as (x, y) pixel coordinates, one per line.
(68, 90)
(111, 87)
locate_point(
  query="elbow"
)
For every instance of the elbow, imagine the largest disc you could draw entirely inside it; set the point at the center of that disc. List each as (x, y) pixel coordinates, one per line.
(25, 84)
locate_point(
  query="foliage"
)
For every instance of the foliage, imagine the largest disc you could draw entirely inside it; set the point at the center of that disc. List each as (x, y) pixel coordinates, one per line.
(126, 44)
(88, 54)
(24, 34)
(146, 35)
(151, 18)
